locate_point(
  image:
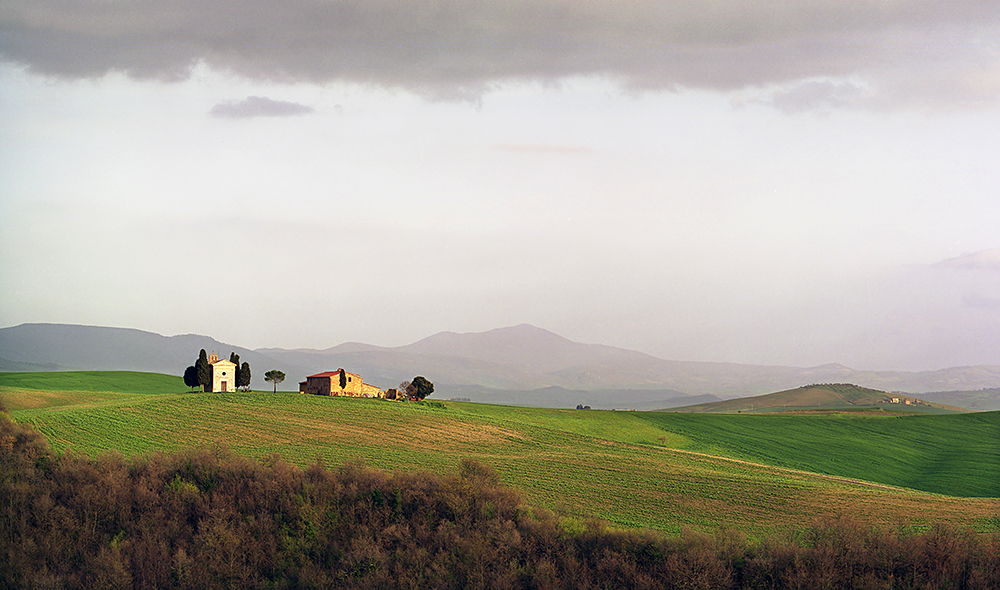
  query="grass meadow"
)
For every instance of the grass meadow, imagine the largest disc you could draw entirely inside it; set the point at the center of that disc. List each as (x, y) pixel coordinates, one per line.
(953, 454)
(755, 473)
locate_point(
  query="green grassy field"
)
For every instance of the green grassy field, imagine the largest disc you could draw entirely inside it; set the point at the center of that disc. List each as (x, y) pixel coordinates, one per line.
(630, 468)
(954, 454)
(114, 381)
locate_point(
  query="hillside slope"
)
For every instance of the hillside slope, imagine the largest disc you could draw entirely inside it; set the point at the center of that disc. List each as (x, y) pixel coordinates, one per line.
(981, 400)
(822, 396)
(662, 470)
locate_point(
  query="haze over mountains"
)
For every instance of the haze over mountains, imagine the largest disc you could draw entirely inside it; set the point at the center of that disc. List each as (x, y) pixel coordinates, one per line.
(518, 365)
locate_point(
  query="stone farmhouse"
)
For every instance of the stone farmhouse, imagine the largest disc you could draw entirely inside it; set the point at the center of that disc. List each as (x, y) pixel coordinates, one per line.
(223, 374)
(328, 383)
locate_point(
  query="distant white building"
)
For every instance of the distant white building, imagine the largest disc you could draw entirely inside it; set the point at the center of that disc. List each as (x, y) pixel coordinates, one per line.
(223, 374)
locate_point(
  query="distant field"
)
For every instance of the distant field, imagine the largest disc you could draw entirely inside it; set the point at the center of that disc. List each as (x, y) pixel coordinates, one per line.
(631, 468)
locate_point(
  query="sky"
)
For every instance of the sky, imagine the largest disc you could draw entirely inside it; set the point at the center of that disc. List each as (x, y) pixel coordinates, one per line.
(782, 183)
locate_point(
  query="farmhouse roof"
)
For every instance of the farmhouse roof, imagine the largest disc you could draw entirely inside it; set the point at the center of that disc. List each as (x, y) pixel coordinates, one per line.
(332, 374)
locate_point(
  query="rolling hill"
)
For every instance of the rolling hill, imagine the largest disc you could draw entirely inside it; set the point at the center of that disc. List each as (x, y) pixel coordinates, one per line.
(520, 365)
(980, 400)
(823, 396)
(667, 471)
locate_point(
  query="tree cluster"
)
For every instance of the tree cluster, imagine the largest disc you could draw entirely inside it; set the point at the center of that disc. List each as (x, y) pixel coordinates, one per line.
(200, 374)
(242, 372)
(211, 519)
(418, 389)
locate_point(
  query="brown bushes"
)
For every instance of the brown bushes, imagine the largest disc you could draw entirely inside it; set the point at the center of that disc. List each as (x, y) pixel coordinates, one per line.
(210, 519)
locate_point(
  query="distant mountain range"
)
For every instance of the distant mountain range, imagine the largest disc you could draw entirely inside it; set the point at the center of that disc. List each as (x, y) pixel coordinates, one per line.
(522, 365)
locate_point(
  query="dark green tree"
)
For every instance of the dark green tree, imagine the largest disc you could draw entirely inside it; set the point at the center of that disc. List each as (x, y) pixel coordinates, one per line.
(235, 359)
(191, 377)
(343, 379)
(204, 371)
(420, 388)
(243, 376)
(274, 376)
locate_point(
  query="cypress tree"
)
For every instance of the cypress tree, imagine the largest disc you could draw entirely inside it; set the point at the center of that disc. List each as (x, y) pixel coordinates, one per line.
(204, 371)
(235, 359)
(343, 379)
(244, 375)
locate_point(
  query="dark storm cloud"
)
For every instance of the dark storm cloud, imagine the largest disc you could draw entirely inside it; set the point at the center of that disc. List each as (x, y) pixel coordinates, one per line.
(259, 106)
(915, 51)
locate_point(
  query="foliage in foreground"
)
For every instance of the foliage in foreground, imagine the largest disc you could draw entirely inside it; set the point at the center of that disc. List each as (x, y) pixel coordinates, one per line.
(211, 519)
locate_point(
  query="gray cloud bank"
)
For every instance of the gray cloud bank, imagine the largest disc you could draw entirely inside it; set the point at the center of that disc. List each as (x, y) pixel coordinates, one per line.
(920, 52)
(259, 106)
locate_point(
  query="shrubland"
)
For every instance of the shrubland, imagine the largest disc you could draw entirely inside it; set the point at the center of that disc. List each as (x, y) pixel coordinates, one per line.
(209, 518)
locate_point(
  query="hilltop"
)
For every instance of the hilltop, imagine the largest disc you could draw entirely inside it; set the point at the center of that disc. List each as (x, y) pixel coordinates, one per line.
(823, 396)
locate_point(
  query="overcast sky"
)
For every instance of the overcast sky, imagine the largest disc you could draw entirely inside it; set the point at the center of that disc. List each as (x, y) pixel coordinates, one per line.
(779, 182)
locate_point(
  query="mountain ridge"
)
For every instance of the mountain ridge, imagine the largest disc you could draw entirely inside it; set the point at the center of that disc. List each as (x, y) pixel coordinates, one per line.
(102, 348)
